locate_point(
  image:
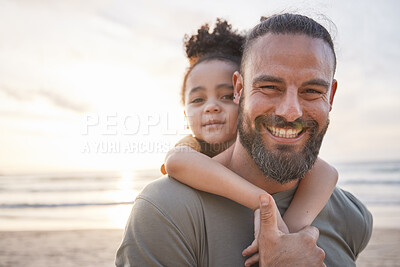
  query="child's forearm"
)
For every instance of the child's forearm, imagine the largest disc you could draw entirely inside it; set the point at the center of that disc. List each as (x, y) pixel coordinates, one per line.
(205, 174)
(312, 194)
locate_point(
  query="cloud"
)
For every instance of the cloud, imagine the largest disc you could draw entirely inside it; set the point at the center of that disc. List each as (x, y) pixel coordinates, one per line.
(62, 101)
(16, 94)
(57, 99)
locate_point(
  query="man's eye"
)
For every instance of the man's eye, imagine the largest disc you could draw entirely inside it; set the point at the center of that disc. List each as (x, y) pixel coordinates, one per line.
(227, 97)
(269, 87)
(312, 91)
(312, 94)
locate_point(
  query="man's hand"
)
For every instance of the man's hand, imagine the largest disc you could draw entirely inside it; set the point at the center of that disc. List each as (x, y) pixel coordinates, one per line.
(279, 249)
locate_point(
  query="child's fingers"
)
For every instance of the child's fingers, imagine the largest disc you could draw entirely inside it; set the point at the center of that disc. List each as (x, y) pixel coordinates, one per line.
(252, 260)
(253, 248)
(256, 223)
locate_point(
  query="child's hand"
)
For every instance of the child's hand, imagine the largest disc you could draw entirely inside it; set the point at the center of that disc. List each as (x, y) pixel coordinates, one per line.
(253, 248)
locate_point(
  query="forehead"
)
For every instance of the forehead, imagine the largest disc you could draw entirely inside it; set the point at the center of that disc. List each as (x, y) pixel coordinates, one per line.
(294, 52)
(209, 73)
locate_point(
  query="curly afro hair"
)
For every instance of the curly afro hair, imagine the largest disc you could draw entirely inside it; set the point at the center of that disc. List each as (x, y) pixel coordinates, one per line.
(222, 43)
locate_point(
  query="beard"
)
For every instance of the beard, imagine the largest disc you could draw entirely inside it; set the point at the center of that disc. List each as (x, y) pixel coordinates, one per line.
(281, 164)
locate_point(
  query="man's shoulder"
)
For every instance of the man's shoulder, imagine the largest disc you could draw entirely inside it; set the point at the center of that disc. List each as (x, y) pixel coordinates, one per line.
(349, 211)
(163, 227)
(165, 188)
(344, 220)
(347, 204)
(170, 196)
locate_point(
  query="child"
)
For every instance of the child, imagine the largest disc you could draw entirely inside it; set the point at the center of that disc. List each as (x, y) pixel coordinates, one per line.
(207, 94)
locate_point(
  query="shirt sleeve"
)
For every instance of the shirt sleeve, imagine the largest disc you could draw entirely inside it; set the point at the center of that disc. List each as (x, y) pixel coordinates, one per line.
(366, 226)
(189, 141)
(152, 239)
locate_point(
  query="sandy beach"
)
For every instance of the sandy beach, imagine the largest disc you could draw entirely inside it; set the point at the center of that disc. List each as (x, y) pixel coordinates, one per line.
(98, 247)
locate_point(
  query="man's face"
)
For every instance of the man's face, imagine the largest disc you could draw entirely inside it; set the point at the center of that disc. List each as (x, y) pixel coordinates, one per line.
(286, 97)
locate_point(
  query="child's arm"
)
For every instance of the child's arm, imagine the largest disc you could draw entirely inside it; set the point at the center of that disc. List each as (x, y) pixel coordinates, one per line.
(311, 196)
(203, 173)
(187, 141)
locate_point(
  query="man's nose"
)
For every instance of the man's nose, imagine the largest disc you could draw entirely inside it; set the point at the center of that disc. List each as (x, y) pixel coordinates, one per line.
(289, 106)
(212, 107)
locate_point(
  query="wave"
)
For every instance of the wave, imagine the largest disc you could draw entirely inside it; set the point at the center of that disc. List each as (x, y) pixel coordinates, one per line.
(392, 202)
(93, 189)
(60, 205)
(64, 190)
(369, 182)
(382, 202)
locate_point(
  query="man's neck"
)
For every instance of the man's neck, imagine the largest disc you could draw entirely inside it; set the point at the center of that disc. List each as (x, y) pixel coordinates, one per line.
(237, 159)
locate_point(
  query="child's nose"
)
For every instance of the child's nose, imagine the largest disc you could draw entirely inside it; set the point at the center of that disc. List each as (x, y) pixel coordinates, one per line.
(212, 107)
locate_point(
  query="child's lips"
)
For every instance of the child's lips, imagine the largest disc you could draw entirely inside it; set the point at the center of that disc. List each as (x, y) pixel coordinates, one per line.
(213, 123)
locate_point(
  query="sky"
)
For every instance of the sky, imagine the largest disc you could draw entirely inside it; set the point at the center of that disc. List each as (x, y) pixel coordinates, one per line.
(94, 85)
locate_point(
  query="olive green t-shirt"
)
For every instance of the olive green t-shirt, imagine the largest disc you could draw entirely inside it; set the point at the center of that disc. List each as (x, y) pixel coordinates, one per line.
(172, 224)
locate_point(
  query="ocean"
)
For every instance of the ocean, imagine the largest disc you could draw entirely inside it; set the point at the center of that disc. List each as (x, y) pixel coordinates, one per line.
(104, 200)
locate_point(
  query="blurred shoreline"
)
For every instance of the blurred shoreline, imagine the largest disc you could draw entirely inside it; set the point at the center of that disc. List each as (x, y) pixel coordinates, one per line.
(98, 247)
(103, 200)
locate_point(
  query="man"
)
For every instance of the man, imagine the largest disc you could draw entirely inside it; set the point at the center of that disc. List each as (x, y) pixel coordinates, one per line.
(286, 89)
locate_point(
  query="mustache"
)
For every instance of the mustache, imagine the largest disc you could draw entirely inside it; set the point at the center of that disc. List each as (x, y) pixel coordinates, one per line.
(280, 122)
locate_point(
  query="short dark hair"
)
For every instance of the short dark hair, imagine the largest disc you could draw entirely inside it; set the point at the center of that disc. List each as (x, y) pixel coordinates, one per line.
(287, 24)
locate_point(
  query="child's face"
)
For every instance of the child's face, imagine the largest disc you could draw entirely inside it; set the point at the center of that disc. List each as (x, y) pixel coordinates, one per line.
(209, 106)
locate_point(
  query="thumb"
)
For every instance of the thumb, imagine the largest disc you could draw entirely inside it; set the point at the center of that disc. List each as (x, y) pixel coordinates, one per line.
(268, 220)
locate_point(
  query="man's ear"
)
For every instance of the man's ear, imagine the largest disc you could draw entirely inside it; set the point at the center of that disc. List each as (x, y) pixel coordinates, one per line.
(333, 92)
(237, 81)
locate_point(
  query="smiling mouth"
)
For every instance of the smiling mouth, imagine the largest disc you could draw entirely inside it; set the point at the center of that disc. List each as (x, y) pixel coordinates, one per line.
(285, 132)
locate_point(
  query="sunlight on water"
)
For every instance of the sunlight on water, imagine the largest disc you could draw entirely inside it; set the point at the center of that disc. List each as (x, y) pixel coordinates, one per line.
(68, 201)
(118, 216)
(125, 186)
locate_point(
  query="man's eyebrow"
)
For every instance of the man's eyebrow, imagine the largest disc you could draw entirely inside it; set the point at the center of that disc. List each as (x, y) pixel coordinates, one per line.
(319, 82)
(224, 86)
(267, 78)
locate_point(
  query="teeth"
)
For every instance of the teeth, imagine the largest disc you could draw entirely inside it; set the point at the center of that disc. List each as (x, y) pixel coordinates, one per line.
(284, 133)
